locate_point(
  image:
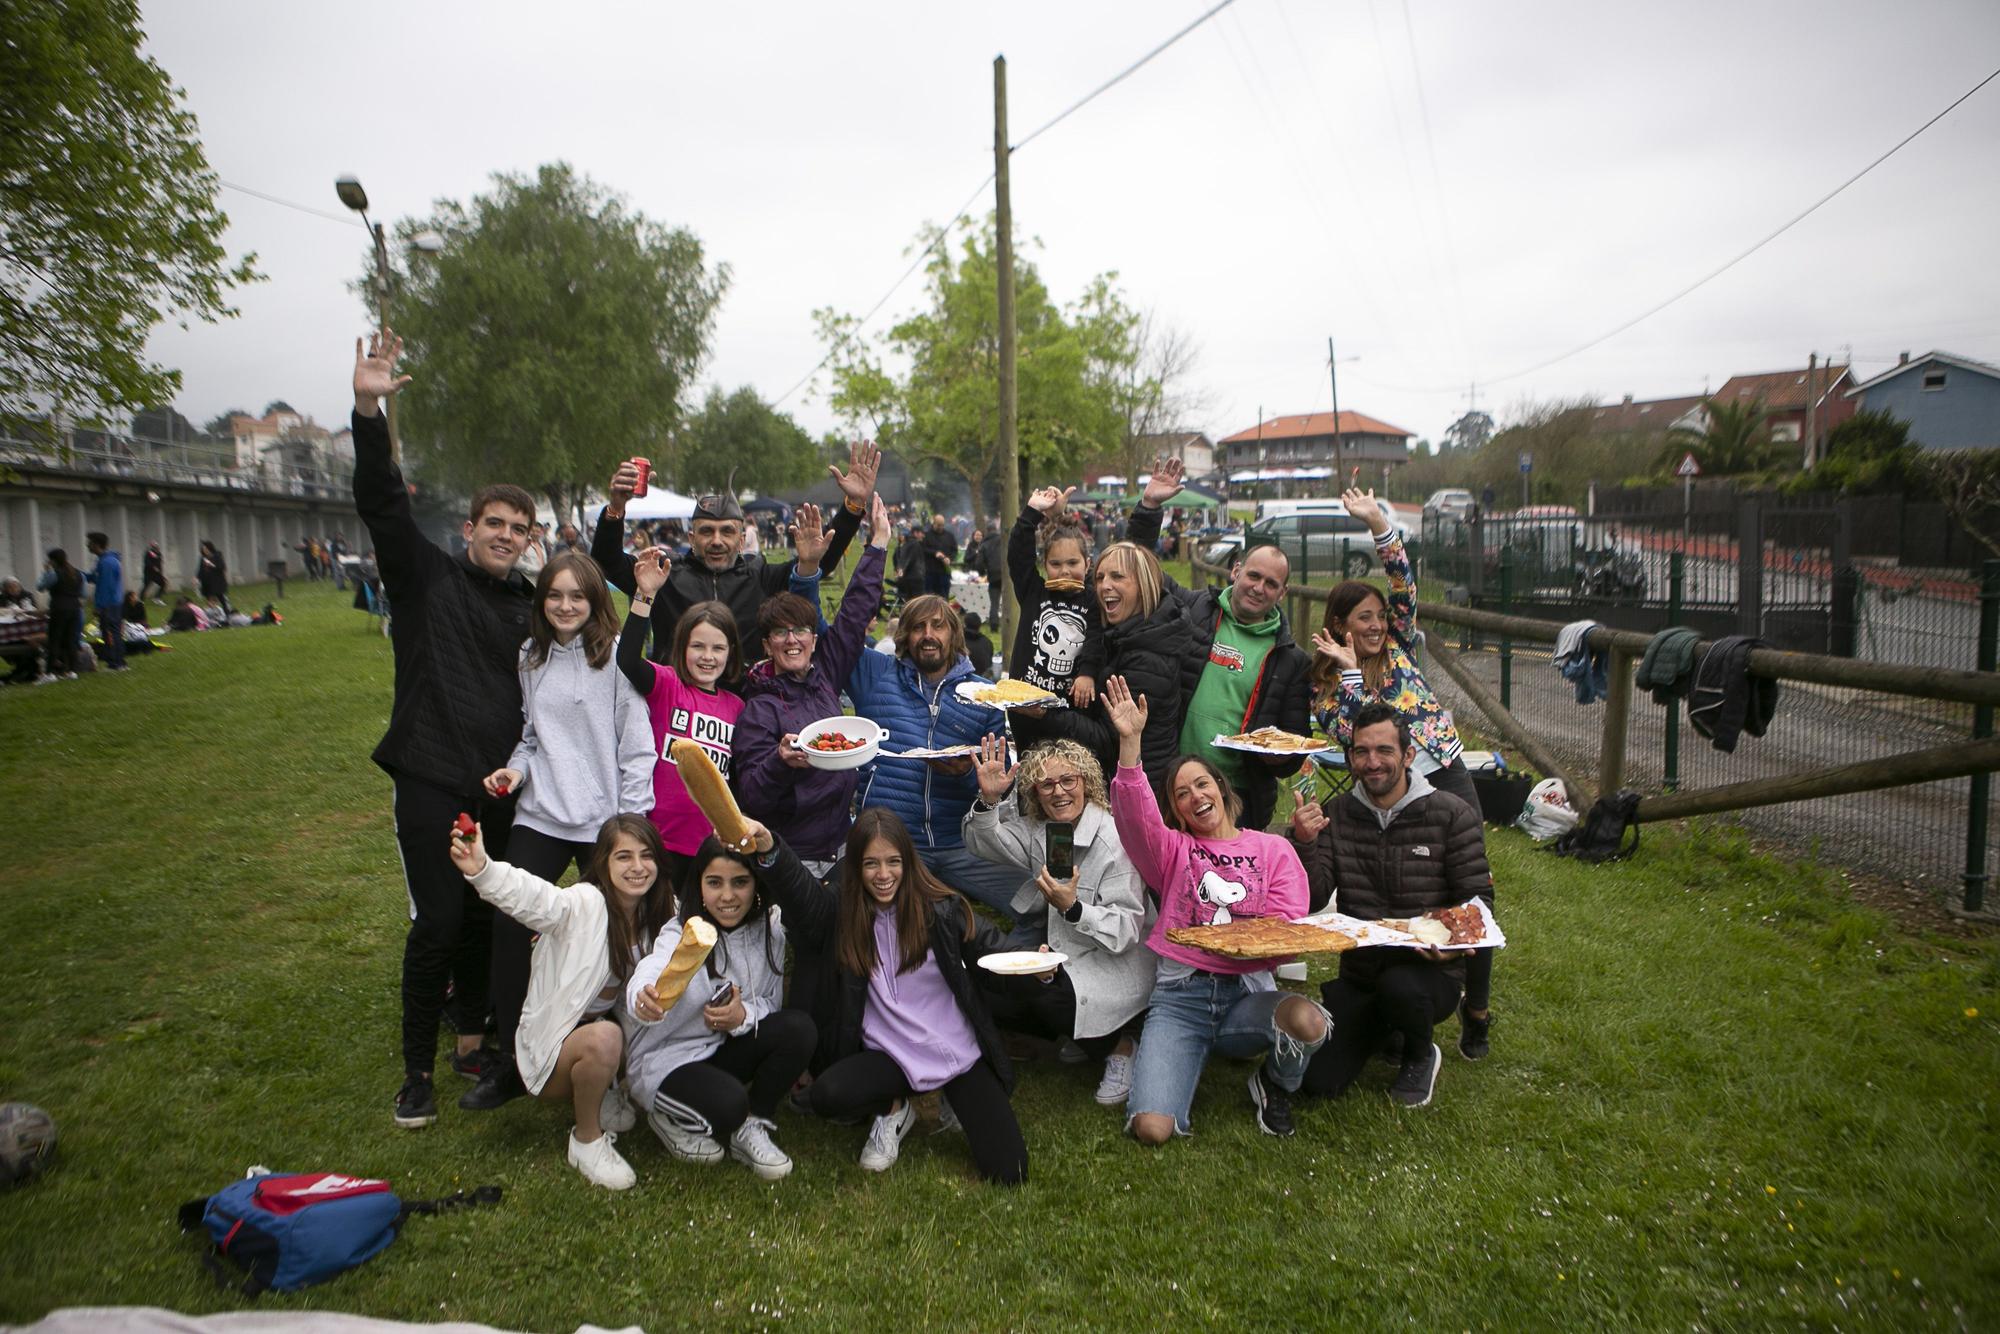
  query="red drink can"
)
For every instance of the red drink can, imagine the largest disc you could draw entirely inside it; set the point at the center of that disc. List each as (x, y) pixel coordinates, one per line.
(645, 467)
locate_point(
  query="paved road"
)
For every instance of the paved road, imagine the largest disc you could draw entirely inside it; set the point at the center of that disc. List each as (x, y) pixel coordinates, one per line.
(1910, 833)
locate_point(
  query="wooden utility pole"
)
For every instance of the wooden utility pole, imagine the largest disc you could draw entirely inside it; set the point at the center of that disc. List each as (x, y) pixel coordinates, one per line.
(1812, 411)
(1339, 463)
(1010, 445)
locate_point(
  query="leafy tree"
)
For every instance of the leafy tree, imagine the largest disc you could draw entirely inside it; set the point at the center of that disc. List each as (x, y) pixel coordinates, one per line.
(1968, 484)
(946, 405)
(1736, 440)
(742, 436)
(218, 426)
(1470, 432)
(1868, 454)
(279, 405)
(108, 218)
(1144, 365)
(163, 424)
(555, 333)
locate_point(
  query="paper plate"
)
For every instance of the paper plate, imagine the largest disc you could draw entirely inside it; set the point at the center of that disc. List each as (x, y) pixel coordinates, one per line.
(1022, 963)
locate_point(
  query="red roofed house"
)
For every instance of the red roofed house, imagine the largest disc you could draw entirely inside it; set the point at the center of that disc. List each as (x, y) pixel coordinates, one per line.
(1786, 396)
(1300, 449)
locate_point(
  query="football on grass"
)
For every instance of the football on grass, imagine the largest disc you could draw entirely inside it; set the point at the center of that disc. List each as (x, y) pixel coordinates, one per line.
(27, 1142)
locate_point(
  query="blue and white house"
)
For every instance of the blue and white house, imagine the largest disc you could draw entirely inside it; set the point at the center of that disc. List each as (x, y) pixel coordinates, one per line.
(1950, 402)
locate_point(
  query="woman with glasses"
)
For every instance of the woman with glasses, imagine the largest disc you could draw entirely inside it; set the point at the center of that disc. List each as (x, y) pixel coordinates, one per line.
(797, 684)
(1096, 915)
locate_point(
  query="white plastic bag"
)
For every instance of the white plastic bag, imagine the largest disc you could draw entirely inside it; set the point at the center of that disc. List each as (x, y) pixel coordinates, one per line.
(1547, 812)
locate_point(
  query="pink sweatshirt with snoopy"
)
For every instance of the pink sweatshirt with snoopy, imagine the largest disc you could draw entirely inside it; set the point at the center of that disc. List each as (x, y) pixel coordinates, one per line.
(1204, 881)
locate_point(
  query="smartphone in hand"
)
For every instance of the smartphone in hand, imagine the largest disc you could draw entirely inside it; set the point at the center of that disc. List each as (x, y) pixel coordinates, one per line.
(1062, 849)
(724, 994)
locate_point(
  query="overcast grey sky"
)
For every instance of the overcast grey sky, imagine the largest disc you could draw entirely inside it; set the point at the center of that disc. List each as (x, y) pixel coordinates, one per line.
(1453, 191)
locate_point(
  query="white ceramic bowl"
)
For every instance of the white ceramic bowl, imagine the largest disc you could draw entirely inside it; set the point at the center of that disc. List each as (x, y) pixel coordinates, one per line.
(861, 729)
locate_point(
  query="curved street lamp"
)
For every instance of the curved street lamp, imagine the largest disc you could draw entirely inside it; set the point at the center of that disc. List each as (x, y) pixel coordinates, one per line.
(354, 197)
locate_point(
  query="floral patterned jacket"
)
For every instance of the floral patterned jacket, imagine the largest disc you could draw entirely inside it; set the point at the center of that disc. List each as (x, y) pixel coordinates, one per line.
(1403, 685)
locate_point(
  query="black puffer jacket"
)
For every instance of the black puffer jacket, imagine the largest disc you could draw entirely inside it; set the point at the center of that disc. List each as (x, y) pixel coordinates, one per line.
(1432, 855)
(742, 587)
(1151, 654)
(457, 634)
(836, 998)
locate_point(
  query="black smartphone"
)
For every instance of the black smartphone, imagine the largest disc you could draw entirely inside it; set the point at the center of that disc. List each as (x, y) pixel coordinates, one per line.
(723, 995)
(1062, 849)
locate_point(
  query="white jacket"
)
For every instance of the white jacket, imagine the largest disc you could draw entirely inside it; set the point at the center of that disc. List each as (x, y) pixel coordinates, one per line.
(662, 1046)
(572, 963)
(1110, 969)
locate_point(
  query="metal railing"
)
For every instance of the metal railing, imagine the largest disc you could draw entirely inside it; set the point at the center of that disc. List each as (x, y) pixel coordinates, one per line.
(177, 463)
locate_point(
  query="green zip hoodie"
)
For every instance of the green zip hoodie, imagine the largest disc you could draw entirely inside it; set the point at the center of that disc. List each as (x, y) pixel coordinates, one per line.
(1222, 696)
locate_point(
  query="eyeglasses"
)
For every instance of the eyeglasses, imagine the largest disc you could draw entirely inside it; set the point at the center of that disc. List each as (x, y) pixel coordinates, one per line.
(1066, 783)
(791, 634)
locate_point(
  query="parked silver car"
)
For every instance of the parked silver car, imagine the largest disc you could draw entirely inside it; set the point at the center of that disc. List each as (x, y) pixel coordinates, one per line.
(1319, 544)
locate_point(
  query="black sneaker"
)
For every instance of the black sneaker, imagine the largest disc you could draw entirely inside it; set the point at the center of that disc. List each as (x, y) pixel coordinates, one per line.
(1273, 1104)
(1473, 1033)
(416, 1105)
(475, 1064)
(499, 1086)
(1417, 1079)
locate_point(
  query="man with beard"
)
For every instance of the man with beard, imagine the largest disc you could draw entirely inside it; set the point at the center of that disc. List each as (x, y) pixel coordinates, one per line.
(718, 569)
(1243, 671)
(1394, 846)
(915, 696)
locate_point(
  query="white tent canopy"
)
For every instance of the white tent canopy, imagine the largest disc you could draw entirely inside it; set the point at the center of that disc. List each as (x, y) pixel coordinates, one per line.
(659, 503)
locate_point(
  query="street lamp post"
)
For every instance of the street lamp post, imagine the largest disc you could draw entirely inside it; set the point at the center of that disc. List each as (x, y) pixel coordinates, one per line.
(356, 198)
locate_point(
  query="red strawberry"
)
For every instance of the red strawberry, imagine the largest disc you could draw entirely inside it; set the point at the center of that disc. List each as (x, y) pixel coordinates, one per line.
(464, 828)
(501, 789)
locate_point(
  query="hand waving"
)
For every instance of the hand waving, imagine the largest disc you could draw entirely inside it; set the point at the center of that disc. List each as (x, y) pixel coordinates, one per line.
(650, 569)
(1049, 499)
(863, 461)
(1329, 647)
(995, 774)
(1361, 504)
(1128, 711)
(375, 375)
(1165, 483)
(808, 537)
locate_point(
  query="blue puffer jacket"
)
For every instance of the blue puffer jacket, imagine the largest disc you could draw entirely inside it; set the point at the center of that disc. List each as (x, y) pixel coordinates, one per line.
(893, 693)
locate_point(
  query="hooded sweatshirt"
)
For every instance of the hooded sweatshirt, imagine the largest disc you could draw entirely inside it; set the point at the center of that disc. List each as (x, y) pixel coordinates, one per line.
(586, 749)
(1204, 881)
(1225, 693)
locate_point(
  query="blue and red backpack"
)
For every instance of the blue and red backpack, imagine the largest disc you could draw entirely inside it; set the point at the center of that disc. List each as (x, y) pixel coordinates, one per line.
(290, 1231)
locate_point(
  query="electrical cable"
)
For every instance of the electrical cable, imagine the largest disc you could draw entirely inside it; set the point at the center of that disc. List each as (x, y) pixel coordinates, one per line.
(1115, 79)
(347, 218)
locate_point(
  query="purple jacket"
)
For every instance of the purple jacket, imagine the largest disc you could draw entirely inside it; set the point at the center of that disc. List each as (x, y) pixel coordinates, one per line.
(805, 807)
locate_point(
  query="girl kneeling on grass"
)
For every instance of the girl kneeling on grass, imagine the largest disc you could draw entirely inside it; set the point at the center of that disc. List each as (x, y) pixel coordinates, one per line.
(713, 1066)
(906, 1017)
(570, 1045)
(1207, 871)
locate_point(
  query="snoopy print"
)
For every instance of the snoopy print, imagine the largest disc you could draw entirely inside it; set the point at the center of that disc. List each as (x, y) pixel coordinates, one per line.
(1218, 893)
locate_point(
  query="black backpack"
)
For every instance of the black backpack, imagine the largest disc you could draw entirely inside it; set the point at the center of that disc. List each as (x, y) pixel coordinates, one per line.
(1601, 835)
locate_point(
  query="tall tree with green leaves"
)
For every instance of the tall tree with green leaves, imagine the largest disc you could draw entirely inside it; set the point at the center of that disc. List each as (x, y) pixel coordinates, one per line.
(1144, 365)
(741, 435)
(108, 217)
(1736, 440)
(555, 333)
(945, 405)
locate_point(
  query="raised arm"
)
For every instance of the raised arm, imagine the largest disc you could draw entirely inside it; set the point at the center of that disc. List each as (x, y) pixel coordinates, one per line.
(848, 638)
(403, 555)
(1395, 561)
(607, 541)
(649, 573)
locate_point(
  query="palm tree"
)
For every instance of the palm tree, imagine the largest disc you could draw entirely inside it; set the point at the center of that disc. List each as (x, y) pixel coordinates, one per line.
(1736, 440)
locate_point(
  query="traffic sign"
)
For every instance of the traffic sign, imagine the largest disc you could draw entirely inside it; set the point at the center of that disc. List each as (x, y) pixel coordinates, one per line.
(1688, 468)
(1527, 460)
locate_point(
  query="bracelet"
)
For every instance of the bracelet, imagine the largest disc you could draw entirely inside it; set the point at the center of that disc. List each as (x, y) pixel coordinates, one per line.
(853, 508)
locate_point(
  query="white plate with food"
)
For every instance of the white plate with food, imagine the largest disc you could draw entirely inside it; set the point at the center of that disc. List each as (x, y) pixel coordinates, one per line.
(1273, 741)
(1469, 926)
(842, 742)
(1008, 694)
(931, 753)
(1023, 963)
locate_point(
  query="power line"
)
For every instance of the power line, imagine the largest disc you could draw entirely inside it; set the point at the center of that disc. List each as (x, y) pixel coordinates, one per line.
(1117, 78)
(347, 218)
(1698, 283)
(945, 232)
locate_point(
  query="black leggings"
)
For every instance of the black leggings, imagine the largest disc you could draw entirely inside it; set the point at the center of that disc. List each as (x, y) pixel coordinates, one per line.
(1457, 780)
(451, 929)
(542, 855)
(63, 629)
(710, 1097)
(1408, 998)
(1027, 1005)
(866, 1083)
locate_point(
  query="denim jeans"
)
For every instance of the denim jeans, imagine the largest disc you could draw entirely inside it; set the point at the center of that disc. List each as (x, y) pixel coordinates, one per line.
(1199, 1014)
(981, 881)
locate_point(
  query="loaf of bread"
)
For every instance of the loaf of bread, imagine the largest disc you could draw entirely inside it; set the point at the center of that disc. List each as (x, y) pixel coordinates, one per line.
(705, 785)
(697, 939)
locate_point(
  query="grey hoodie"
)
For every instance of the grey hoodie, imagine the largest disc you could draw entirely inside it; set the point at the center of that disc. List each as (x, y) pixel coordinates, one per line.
(586, 749)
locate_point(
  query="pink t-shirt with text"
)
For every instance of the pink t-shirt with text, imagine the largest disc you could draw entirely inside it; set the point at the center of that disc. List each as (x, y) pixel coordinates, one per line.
(707, 718)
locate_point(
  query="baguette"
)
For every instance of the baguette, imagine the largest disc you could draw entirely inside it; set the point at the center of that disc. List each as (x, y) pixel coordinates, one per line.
(705, 785)
(697, 939)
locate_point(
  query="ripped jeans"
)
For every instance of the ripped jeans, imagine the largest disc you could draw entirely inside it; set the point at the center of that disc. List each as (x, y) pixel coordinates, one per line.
(1236, 1016)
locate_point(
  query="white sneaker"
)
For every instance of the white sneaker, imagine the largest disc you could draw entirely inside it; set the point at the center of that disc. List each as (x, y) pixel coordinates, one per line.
(616, 1111)
(1071, 1054)
(885, 1139)
(752, 1146)
(600, 1162)
(947, 1118)
(1116, 1085)
(684, 1144)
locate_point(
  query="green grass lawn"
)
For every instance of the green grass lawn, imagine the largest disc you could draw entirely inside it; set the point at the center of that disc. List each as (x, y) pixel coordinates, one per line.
(1721, 1096)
